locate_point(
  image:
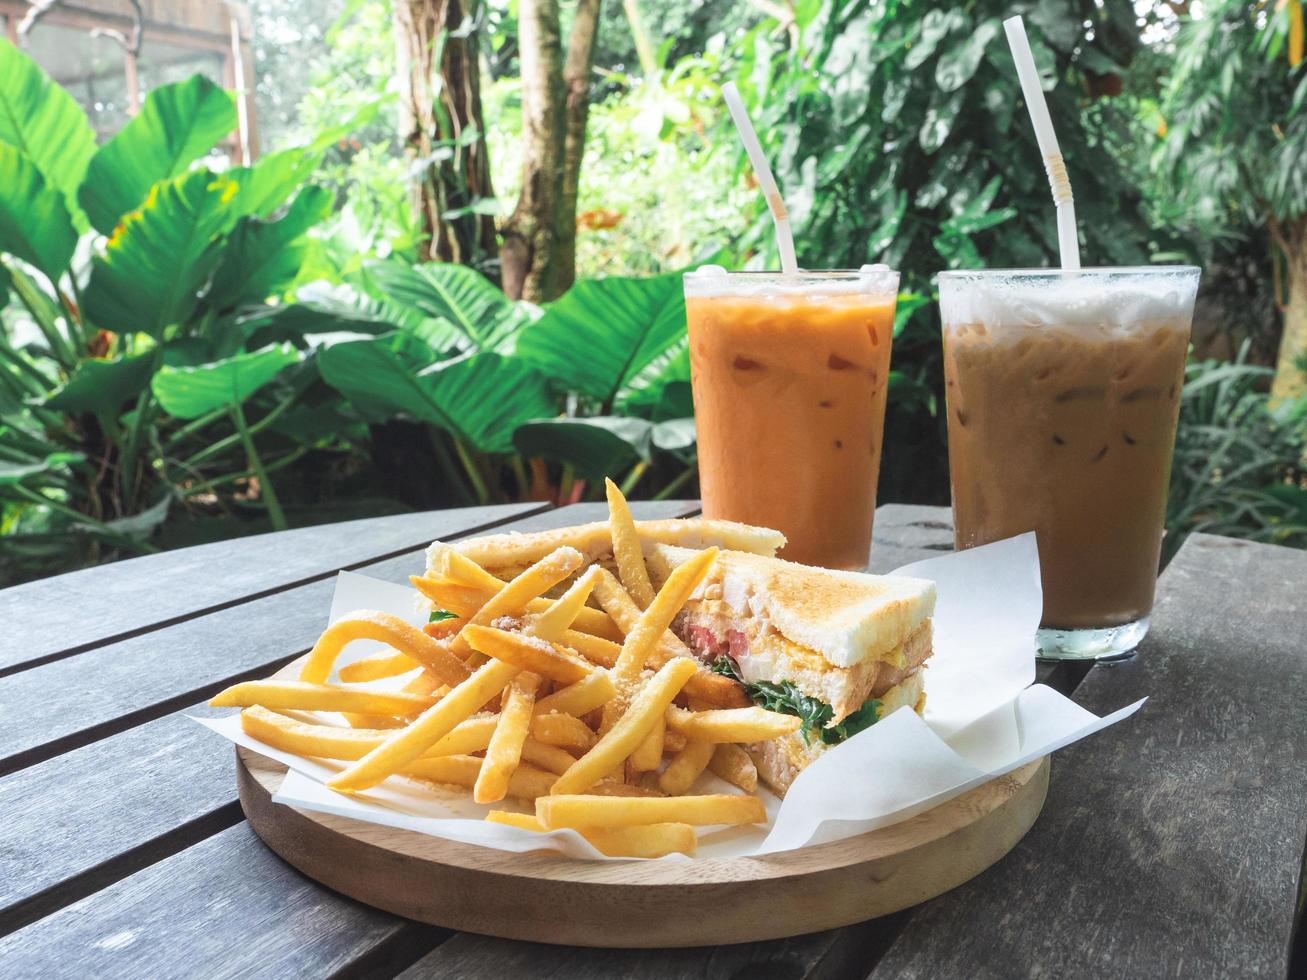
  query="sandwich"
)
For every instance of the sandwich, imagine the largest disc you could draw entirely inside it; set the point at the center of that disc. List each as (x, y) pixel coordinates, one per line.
(840, 650)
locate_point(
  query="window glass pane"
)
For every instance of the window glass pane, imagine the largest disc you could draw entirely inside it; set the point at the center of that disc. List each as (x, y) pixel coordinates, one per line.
(90, 68)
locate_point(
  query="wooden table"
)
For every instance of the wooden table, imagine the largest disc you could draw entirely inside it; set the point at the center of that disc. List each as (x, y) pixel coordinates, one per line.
(1170, 846)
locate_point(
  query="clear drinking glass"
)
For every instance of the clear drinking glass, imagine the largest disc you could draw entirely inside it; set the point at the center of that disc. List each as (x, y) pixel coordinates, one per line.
(1063, 392)
(789, 375)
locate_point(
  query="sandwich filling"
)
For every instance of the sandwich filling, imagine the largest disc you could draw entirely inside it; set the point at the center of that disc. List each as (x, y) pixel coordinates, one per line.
(781, 675)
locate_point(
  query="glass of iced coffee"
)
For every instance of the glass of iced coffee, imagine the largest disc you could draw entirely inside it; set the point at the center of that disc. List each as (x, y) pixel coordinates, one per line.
(789, 374)
(1063, 391)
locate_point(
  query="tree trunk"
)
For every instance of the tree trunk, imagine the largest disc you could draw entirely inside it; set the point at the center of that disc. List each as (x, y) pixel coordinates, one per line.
(440, 126)
(539, 250)
(576, 78)
(1290, 370)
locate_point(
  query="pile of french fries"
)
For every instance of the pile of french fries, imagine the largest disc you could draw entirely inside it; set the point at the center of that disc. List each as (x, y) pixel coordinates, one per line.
(586, 705)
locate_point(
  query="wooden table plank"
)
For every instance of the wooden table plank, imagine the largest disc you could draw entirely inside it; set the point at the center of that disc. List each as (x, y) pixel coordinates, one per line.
(90, 799)
(1174, 845)
(65, 613)
(225, 907)
(62, 704)
(113, 806)
(834, 955)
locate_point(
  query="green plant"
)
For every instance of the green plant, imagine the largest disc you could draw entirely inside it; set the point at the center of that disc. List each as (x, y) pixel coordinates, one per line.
(1234, 153)
(519, 402)
(129, 381)
(1239, 466)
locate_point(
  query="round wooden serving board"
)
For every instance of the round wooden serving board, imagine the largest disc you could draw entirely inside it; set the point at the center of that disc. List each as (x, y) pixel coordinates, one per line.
(546, 898)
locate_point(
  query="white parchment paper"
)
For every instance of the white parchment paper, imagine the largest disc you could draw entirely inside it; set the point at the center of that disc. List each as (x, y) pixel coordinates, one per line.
(983, 718)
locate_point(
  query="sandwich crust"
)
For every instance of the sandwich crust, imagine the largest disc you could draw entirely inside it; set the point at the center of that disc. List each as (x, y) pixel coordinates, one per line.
(504, 555)
(847, 617)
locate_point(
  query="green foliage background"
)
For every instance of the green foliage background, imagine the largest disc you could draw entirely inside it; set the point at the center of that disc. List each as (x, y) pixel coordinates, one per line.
(192, 350)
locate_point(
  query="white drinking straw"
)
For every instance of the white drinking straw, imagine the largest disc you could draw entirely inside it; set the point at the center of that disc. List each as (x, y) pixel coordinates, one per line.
(1068, 243)
(775, 204)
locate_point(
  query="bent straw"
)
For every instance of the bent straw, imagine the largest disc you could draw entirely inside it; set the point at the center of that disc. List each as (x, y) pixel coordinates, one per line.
(775, 204)
(1058, 181)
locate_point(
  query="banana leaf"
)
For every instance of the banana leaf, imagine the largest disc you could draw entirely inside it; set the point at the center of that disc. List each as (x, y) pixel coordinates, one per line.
(481, 315)
(177, 125)
(43, 121)
(189, 392)
(103, 386)
(602, 333)
(154, 266)
(481, 398)
(261, 258)
(34, 222)
(593, 447)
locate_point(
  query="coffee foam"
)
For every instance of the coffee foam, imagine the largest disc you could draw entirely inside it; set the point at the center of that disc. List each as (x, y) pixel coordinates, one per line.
(713, 280)
(1099, 303)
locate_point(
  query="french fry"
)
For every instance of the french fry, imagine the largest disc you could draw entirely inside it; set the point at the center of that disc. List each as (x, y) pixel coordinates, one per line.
(626, 548)
(565, 731)
(511, 600)
(504, 752)
(687, 766)
(733, 764)
(522, 821)
(651, 624)
(528, 652)
(648, 756)
(427, 683)
(732, 724)
(673, 741)
(555, 620)
(526, 783)
(714, 688)
(468, 587)
(630, 729)
(550, 758)
(579, 698)
(433, 725)
(648, 841)
(392, 630)
(616, 787)
(587, 812)
(376, 667)
(442, 629)
(599, 651)
(358, 720)
(330, 742)
(319, 697)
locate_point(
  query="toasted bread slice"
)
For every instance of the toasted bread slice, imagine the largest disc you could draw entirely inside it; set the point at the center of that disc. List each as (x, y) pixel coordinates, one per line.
(780, 760)
(504, 555)
(846, 617)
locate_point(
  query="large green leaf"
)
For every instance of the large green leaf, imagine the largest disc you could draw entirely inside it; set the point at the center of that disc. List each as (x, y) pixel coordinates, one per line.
(155, 265)
(34, 221)
(593, 447)
(481, 314)
(481, 398)
(603, 332)
(45, 122)
(102, 386)
(11, 473)
(5, 280)
(265, 186)
(264, 257)
(189, 392)
(176, 126)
